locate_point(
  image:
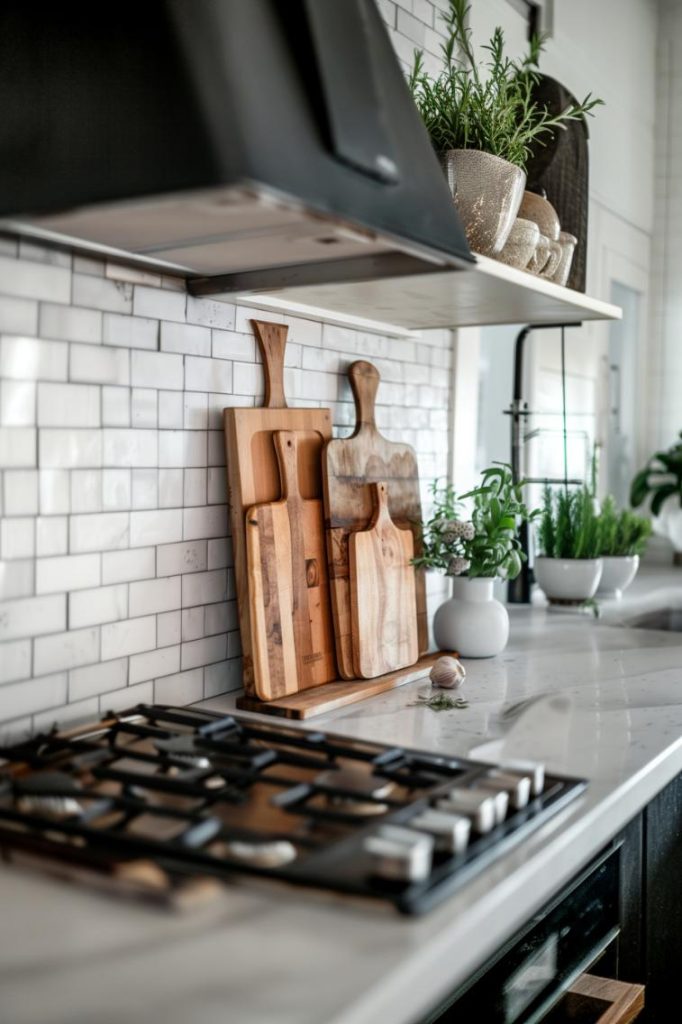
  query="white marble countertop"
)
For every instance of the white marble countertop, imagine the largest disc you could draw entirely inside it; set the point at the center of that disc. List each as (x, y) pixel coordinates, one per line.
(590, 698)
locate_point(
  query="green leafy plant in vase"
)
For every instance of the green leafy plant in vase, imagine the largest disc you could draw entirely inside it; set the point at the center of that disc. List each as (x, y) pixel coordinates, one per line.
(474, 538)
(568, 565)
(482, 118)
(623, 539)
(660, 483)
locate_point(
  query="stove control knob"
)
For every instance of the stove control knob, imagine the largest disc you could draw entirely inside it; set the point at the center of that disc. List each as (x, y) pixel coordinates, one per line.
(475, 804)
(451, 831)
(533, 769)
(517, 786)
(400, 854)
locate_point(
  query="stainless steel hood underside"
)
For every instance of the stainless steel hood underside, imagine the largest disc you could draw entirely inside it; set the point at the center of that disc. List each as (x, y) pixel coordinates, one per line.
(221, 138)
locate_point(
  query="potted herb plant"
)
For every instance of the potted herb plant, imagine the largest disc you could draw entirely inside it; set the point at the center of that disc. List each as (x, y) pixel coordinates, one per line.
(482, 119)
(474, 550)
(623, 538)
(661, 481)
(569, 565)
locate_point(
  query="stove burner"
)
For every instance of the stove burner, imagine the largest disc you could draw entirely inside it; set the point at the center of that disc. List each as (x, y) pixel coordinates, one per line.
(158, 797)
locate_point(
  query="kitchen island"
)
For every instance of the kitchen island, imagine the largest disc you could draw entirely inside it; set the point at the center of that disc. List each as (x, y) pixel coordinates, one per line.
(590, 698)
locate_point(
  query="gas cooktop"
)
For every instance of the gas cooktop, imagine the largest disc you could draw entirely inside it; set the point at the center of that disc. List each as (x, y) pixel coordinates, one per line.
(158, 799)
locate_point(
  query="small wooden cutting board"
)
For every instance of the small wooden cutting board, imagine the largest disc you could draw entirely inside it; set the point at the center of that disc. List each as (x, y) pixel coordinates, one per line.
(292, 634)
(252, 471)
(349, 464)
(383, 596)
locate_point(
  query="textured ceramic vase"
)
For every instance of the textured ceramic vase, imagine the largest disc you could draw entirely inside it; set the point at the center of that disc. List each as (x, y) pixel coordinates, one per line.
(487, 192)
(568, 243)
(618, 572)
(552, 265)
(541, 255)
(568, 580)
(520, 244)
(539, 209)
(472, 621)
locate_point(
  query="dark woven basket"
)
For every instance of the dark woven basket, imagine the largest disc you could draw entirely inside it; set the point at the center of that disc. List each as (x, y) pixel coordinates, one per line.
(560, 169)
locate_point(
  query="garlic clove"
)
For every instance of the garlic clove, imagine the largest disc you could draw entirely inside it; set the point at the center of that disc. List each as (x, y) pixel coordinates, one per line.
(448, 672)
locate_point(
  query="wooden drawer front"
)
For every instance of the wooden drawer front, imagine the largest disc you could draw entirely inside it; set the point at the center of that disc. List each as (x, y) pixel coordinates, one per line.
(593, 1000)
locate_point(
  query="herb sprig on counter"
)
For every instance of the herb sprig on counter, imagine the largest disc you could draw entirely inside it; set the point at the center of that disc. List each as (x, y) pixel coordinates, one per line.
(440, 702)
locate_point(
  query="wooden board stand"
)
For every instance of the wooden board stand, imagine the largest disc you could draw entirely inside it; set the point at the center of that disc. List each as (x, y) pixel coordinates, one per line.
(331, 696)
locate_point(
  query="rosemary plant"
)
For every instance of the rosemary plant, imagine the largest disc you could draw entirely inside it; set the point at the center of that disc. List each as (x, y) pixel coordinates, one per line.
(622, 531)
(569, 526)
(487, 106)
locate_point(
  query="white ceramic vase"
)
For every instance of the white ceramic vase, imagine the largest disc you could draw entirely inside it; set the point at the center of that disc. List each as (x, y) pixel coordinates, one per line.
(472, 621)
(618, 572)
(568, 580)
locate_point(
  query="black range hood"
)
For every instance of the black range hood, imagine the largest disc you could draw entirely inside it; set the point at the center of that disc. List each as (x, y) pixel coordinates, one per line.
(254, 143)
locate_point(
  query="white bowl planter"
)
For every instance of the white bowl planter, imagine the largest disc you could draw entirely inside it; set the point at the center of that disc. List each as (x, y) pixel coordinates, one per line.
(472, 621)
(617, 574)
(568, 579)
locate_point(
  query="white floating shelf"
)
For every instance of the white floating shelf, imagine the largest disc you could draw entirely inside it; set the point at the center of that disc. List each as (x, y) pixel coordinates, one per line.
(489, 293)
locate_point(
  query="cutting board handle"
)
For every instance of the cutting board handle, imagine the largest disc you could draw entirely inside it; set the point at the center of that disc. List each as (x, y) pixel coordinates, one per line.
(272, 341)
(364, 381)
(286, 446)
(381, 513)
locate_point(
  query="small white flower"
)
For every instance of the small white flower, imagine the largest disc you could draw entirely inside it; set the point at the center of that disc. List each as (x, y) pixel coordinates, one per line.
(469, 531)
(457, 566)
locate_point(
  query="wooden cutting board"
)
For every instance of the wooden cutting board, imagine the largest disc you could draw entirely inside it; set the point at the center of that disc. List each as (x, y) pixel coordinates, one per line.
(292, 635)
(252, 470)
(348, 465)
(382, 591)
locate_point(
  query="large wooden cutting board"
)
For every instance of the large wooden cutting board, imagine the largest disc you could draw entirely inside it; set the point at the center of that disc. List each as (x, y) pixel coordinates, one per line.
(348, 466)
(252, 471)
(292, 635)
(383, 598)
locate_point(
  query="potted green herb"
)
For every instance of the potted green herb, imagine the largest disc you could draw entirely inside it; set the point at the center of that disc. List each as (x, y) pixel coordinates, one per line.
(661, 482)
(623, 538)
(474, 549)
(568, 567)
(482, 119)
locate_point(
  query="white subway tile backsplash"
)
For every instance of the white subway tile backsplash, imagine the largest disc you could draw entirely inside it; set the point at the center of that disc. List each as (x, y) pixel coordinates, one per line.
(163, 662)
(95, 679)
(130, 331)
(162, 527)
(175, 559)
(216, 448)
(159, 304)
(23, 279)
(18, 316)
(186, 338)
(52, 536)
(65, 650)
(132, 447)
(220, 618)
(222, 677)
(67, 572)
(144, 408)
(21, 492)
(70, 448)
(68, 405)
(203, 652)
(210, 312)
(217, 485)
(183, 688)
(170, 409)
(122, 566)
(170, 488)
(94, 607)
(207, 374)
(86, 490)
(248, 379)
(195, 411)
(204, 587)
(53, 487)
(17, 403)
(17, 578)
(15, 662)
(168, 629)
(157, 370)
(96, 364)
(32, 616)
(219, 553)
(145, 493)
(205, 522)
(70, 324)
(230, 345)
(195, 487)
(149, 596)
(182, 448)
(119, 700)
(31, 695)
(101, 293)
(128, 637)
(88, 265)
(17, 537)
(193, 623)
(106, 531)
(135, 275)
(116, 489)
(23, 358)
(115, 407)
